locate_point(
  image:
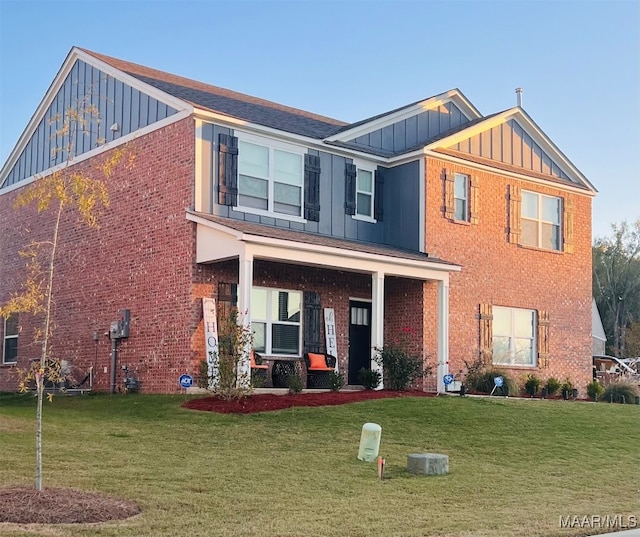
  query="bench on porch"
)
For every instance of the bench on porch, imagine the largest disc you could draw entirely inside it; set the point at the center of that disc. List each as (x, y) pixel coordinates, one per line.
(319, 367)
(258, 368)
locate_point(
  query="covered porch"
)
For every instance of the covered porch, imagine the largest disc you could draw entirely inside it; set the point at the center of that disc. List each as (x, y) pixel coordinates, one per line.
(373, 287)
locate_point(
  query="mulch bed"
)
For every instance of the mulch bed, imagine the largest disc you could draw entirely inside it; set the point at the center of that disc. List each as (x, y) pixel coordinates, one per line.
(25, 505)
(267, 402)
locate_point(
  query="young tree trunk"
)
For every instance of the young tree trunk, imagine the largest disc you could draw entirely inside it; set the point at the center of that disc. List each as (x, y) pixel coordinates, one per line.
(45, 349)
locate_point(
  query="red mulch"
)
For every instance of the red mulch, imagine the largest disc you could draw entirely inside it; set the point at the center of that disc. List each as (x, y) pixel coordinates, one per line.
(25, 505)
(266, 402)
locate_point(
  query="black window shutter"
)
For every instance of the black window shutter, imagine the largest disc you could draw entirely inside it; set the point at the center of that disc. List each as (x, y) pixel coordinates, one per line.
(378, 209)
(350, 189)
(312, 341)
(312, 188)
(227, 170)
(227, 297)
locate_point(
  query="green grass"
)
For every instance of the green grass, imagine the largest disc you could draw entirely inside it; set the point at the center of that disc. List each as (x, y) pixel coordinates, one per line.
(516, 466)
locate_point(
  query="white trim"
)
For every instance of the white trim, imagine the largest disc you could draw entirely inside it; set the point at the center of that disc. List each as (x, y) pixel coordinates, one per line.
(377, 322)
(272, 146)
(422, 170)
(269, 321)
(51, 93)
(198, 191)
(98, 150)
(512, 337)
(454, 95)
(370, 167)
(215, 242)
(498, 171)
(529, 127)
(442, 367)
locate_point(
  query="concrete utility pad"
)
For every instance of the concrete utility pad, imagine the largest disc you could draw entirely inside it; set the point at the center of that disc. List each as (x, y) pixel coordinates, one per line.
(427, 464)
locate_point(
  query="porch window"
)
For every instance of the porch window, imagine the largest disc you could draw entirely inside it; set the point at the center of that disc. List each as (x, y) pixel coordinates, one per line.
(10, 350)
(275, 321)
(514, 336)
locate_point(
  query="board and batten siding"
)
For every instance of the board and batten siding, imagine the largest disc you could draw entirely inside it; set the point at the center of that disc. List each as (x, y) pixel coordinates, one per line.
(401, 195)
(115, 101)
(509, 143)
(413, 131)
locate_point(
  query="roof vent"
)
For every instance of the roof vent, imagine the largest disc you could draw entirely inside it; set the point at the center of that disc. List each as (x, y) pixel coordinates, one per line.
(519, 94)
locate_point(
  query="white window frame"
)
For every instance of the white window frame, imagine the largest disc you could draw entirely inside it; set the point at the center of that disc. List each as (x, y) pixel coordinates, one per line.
(272, 145)
(540, 221)
(467, 187)
(371, 168)
(512, 338)
(6, 337)
(269, 322)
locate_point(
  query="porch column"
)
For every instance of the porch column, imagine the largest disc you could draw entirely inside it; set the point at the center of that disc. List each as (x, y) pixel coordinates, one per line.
(377, 319)
(245, 283)
(443, 333)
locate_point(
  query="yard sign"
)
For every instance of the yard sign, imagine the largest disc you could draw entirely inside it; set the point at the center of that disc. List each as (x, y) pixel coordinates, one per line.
(211, 339)
(330, 333)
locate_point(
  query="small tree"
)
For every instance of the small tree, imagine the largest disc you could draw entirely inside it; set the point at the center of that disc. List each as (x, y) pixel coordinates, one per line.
(233, 342)
(400, 367)
(65, 190)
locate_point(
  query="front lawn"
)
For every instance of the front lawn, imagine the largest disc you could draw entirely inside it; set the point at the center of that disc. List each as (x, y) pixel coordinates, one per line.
(516, 466)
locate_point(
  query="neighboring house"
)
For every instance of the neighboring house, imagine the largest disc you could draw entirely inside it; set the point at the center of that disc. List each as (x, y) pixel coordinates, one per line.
(469, 235)
(598, 335)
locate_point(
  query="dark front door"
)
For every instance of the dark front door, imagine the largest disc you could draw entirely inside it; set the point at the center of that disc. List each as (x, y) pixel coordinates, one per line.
(359, 339)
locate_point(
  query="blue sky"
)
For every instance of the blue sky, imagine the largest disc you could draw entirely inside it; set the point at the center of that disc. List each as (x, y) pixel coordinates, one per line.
(578, 62)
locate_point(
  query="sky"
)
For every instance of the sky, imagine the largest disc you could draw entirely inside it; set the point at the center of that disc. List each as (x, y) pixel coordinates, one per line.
(577, 61)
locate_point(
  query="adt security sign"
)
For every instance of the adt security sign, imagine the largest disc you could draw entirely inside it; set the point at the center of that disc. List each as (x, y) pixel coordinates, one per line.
(447, 379)
(498, 381)
(186, 381)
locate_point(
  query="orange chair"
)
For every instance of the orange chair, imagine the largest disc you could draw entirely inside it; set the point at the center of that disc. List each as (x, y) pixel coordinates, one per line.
(319, 367)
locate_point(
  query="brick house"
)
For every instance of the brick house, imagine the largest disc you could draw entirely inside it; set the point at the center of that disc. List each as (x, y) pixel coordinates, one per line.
(468, 234)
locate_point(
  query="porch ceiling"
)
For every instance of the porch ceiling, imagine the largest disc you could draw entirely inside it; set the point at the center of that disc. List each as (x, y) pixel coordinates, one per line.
(219, 238)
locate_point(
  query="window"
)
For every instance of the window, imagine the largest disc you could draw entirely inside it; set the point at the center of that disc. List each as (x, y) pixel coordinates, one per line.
(541, 216)
(364, 193)
(10, 352)
(270, 179)
(514, 336)
(275, 321)
(461, 197)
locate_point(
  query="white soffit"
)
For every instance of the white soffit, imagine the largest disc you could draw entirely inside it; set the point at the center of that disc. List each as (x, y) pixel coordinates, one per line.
(216, 242)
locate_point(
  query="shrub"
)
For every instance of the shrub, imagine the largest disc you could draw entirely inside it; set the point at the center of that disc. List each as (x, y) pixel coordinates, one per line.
(294, 382)
(336, 381)
(620, 392)
(481, 380)
(594, 390)
(203, 374)
(369, 378)
(400, 368)
(552, 385)
(532, 384)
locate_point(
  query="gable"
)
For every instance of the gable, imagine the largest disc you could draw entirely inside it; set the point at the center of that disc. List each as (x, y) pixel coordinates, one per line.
(120, 109)
(509, 143)
(510, 140)
(413, 131)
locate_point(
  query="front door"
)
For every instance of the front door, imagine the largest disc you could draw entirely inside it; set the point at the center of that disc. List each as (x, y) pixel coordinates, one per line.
(359, 338)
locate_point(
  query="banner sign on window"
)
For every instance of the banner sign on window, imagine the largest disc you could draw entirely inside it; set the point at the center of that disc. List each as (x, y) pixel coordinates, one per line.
(211, 340)
(330, 333)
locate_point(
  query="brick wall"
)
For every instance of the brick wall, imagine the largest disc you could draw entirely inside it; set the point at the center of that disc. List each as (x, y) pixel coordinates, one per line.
(500, 273)
(140, 258)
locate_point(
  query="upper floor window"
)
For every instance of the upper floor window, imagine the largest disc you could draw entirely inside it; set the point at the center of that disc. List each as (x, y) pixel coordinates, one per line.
(541, 217)
(275, 321)
(10, 350)
(514, 336)
(364, 193)
(270, 178)
(461, 197)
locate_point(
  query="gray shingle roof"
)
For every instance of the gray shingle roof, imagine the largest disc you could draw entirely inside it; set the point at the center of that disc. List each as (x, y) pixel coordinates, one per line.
(231, 103)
